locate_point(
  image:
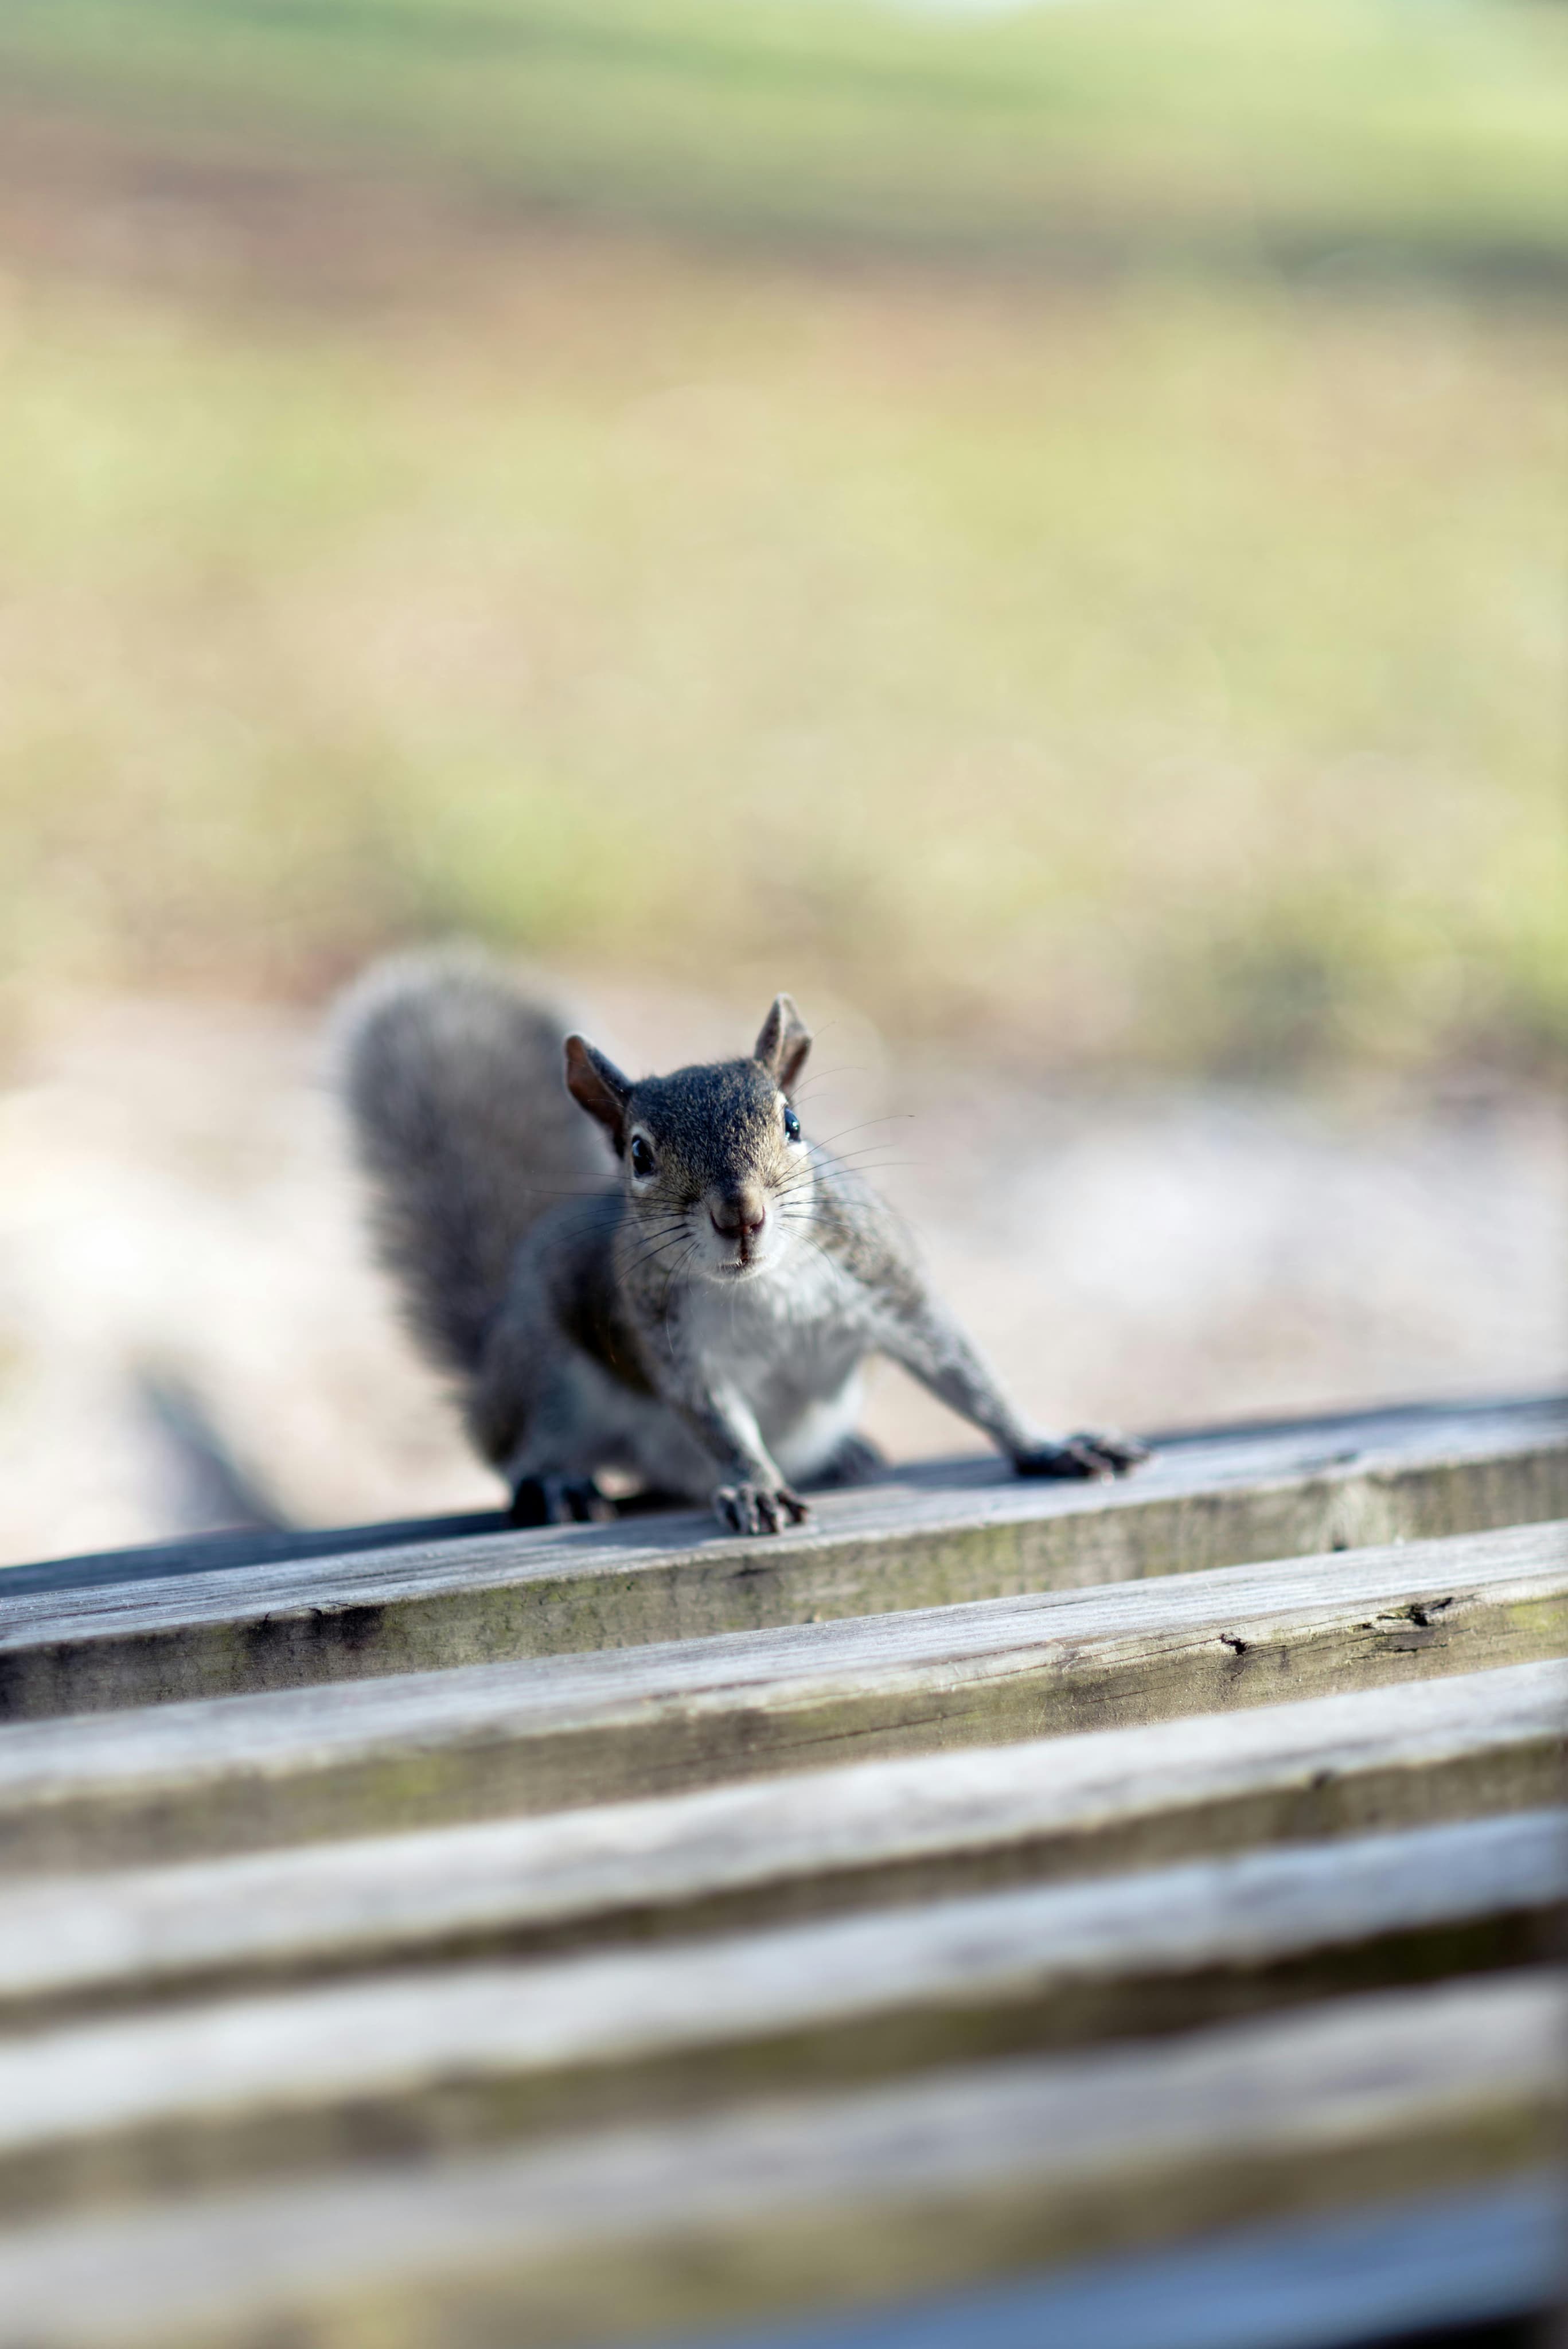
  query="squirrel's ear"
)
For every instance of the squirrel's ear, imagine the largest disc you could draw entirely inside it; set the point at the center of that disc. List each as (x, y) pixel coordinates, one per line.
(783, 1043)
(597, 1085)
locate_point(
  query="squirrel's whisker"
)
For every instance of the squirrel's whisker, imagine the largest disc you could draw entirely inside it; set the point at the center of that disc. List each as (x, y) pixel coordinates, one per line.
(894, 1117)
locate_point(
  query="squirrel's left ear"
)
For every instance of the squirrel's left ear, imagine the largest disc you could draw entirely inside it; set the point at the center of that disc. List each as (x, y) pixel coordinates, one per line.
(783, 1043)
(597, 1085)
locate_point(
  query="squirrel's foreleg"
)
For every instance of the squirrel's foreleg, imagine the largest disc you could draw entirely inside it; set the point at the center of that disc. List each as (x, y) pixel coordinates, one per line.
(750, 1495)
(923, 1336)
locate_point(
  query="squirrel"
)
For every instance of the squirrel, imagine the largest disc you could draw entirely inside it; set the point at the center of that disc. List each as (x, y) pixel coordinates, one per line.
(693, 1306)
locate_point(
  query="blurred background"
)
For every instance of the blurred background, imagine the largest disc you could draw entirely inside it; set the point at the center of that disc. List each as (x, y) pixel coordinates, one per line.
(1037, 528)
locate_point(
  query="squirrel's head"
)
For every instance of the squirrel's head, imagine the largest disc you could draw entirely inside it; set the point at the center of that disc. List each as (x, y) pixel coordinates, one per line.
(712, 1159)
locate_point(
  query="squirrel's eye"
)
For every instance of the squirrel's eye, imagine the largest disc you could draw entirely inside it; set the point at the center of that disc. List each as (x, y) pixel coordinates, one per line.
(642, 1155)
(792, 1123)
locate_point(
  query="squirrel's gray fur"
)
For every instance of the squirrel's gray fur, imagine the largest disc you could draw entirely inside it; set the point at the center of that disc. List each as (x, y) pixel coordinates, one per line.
(694, 1309)
(453, 1084)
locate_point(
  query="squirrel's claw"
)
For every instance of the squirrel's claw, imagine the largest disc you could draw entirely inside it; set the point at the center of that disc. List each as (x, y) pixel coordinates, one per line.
(758, 1508)
(1083, 1455)
(560, 1501)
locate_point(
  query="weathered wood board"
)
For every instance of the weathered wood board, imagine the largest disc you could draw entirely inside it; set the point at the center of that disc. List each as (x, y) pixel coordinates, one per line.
(442, 1939)
(421, 2063)
(808, 2202)
(242, 1772)
(887, 1832)
(1425, 2270)
(933, 1535)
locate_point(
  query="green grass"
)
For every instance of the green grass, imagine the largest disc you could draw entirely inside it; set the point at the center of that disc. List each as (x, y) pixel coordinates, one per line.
(1158, 664)
(1419, 130)
(1168, 673)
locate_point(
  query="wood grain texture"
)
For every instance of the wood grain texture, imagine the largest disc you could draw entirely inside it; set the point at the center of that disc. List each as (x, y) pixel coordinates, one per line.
(422, 2063)
(807, 2202)
(878, 1833)
(936, 1535)
(1430, 2270)
(243, 1772)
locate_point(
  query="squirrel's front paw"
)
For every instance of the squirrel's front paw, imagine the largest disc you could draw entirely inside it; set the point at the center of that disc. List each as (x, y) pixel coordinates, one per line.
(560, 1501)
(758, 1508)
(1082, 1455)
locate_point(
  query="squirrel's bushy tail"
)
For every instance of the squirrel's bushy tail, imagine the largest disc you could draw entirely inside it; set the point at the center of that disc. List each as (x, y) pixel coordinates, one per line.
(453, 1081)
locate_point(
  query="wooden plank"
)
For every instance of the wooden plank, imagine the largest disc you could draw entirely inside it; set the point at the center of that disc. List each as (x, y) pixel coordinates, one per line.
(244, 1546)
(424, 2062)
(821, 2202)
(883, 1833)
(1489, 2257)
(243, 1772)
(1399, 1425)
(933, 1535)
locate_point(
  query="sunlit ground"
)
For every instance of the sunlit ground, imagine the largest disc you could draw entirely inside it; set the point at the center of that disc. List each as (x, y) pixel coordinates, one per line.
(189, 1330)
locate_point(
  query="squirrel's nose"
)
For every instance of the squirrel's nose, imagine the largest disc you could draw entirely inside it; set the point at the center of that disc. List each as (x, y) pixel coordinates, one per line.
(738, 1214)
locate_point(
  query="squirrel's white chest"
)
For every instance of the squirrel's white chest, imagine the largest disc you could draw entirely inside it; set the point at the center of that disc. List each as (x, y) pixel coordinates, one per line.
(786, 1340)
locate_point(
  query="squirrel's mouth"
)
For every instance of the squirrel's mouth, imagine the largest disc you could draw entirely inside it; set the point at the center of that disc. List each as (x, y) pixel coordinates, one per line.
(738, 1267)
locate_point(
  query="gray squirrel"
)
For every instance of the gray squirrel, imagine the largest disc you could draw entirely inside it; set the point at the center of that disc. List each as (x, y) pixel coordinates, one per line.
(695, 1312)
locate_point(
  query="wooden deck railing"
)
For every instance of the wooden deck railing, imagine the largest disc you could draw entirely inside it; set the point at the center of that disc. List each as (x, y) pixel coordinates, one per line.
(461, 1938)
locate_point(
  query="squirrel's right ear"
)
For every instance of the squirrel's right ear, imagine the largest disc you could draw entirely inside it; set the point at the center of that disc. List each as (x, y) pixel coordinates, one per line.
(597, 1085)
(783, 1043)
